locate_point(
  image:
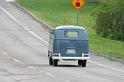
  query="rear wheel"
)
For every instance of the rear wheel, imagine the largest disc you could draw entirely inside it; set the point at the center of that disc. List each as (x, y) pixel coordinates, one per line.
(79, 62)
(82, 63)
(48, 53)
(55, 62)
(50, 61)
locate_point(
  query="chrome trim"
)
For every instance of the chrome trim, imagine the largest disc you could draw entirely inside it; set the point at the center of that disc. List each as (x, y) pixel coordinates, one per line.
(71, 58)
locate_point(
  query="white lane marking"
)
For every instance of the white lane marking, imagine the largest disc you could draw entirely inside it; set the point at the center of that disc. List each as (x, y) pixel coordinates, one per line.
(10, 0)
(24, 26)
(49, 74)
(106, 66)
(4, 53)
(18, 61)
(31, 67)
(47, 42)
(15, 60)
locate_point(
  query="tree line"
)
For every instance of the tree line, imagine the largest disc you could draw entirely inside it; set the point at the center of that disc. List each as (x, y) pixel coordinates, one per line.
(110, 19)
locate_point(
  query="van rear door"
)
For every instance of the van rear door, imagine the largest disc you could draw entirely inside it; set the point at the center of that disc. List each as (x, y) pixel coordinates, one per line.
(72, 44)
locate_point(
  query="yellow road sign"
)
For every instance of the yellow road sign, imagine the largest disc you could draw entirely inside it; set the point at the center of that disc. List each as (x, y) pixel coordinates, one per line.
(78, 3)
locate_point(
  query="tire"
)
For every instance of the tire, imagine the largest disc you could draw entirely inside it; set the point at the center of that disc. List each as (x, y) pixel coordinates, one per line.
(84, 62)
(55, 62)
(79, 62)
(48, 54)
(50, 61)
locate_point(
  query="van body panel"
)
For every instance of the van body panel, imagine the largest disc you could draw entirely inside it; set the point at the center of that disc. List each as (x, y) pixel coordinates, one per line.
(69, 42)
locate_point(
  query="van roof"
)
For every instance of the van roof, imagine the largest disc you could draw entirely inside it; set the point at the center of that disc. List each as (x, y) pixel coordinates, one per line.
(69, 27)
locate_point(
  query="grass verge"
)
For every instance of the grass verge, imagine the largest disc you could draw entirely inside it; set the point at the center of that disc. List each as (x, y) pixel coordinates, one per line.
(54, 12)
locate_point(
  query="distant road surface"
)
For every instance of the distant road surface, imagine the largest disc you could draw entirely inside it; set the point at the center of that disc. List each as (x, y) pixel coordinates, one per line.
(23, 54)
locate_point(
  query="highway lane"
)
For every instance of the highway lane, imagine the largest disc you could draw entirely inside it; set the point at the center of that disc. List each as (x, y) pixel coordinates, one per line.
(23, 54)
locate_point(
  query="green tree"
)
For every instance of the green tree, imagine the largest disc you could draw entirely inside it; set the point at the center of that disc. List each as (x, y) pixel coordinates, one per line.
(110, 19)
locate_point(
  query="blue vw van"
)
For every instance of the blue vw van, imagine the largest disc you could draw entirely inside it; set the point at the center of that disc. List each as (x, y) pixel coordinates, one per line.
(68, 43)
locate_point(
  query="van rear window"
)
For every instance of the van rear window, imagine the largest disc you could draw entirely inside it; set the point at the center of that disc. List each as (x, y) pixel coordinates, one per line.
(72, 34)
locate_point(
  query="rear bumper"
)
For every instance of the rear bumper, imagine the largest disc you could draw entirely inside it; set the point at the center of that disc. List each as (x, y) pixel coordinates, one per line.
(59, 57)
(71, 58)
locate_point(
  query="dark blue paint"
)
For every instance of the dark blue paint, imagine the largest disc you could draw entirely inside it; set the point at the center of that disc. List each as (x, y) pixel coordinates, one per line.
(60, 43)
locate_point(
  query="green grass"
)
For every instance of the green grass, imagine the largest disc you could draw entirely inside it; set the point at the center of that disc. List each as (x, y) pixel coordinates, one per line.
(53, 13)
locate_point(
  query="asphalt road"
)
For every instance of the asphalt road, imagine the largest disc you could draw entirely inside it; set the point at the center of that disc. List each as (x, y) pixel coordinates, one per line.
(23, 54)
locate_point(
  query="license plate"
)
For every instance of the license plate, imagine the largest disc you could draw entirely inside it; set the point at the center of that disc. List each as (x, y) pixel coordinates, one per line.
(71, 51)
